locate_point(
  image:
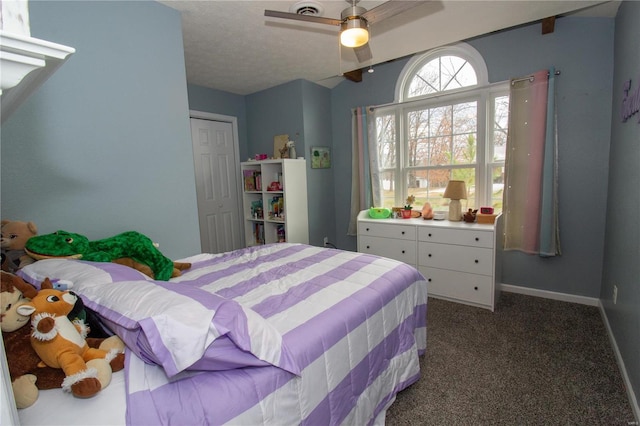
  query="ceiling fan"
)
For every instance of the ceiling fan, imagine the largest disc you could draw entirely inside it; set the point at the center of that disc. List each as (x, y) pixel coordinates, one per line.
(354, 22)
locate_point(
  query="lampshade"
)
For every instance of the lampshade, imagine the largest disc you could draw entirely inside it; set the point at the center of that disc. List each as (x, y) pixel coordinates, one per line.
(456, 190)
(354, 33)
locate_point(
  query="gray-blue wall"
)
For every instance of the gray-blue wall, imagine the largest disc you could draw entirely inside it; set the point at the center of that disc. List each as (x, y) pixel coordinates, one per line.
(223, 103)
(104, 146)
(302, 110)
(582, 49)
(622, 238)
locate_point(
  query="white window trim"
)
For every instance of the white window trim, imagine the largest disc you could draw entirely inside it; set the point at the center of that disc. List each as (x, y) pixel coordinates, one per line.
(483, 91)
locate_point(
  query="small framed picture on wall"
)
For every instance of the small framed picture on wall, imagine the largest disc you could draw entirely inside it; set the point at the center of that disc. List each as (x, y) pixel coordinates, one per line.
(320, 157)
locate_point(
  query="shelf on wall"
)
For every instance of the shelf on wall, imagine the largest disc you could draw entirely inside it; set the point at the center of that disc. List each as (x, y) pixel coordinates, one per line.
(26, 63)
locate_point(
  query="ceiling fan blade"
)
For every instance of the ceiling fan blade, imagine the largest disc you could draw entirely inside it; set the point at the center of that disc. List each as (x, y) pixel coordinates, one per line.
(308, 18)
(389, 9)
(363, 53)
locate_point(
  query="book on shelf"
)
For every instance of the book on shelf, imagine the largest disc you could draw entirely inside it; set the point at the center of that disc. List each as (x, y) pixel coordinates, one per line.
(252, 180)
(258, 233)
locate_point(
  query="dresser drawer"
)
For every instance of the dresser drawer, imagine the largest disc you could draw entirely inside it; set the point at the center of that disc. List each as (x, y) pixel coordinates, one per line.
(472, 288)
(459, 258)
(402, 250)
(403, 232)
(466, 237)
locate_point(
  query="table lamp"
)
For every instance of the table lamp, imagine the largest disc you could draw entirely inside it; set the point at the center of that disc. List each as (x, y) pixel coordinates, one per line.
(455, 191)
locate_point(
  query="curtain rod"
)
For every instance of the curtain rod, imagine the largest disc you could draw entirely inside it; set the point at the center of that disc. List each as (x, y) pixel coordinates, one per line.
(530, 78)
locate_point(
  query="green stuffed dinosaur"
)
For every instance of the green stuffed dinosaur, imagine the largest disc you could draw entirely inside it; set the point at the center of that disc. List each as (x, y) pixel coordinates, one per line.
(132, 244)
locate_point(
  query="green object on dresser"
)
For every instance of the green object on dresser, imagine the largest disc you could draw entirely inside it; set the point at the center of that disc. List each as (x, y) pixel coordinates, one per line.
(379, 213)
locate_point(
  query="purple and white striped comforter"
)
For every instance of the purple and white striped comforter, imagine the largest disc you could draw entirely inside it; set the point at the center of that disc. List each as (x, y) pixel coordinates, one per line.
(334, 336)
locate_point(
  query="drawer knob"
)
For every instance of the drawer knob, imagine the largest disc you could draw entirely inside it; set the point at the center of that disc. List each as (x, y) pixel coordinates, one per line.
(477, 261)
(429, 279)
(402, 232)
(477, 239)
(429, 233)
(475, 288)
(368, 247)
(367, 229)
(402, 251)
(429, 255)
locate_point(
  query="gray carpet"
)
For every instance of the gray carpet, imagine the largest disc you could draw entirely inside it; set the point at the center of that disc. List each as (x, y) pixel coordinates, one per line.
(533, 361)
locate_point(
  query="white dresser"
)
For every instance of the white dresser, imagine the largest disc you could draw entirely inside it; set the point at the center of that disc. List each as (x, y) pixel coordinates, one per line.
(459, 260)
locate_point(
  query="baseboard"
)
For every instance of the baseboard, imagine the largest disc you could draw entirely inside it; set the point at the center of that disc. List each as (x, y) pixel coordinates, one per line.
(564, 297)
(591, 301)
(623, 370)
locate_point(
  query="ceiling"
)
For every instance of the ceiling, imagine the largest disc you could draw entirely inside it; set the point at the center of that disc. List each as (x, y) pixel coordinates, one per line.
(232, 46)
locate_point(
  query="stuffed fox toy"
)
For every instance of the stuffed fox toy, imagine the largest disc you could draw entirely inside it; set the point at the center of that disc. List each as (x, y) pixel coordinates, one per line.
(61, 344)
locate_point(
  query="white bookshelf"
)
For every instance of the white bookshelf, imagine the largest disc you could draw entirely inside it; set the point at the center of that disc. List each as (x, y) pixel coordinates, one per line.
(275, 201)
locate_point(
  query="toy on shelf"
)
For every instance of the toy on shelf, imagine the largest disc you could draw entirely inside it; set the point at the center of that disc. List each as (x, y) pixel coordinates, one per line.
(275, 186)
(276, 208)
(257, 210)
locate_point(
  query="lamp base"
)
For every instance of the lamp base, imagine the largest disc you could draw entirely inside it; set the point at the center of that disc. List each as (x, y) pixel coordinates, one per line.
(455, 211)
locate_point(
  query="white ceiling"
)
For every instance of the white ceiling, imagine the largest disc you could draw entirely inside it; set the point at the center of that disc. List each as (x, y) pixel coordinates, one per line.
(231, 46)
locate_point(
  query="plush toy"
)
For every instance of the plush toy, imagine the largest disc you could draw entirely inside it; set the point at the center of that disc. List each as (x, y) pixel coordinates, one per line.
(132, 244)
(61, 344)
(27, 378)
(14, 237)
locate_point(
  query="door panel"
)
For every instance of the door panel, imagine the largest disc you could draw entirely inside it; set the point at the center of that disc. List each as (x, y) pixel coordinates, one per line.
(216, 185)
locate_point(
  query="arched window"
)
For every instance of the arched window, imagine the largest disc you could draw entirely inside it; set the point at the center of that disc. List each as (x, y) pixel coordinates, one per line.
(448, 124)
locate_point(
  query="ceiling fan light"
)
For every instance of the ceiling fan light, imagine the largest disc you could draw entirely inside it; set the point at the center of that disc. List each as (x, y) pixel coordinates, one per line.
(354, 33)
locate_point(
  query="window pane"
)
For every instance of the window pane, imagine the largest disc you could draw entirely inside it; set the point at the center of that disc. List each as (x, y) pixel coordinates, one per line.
(464, 129)
(497, 186)
(441, 74)
(418, 147)
(388, 181)
(456, 73)
(428, 186)
(386, 135)
(500, 127)
(440, 120)
(426, 80)
(440, 131)
(442, 135)
(465, 117)
(464, 148)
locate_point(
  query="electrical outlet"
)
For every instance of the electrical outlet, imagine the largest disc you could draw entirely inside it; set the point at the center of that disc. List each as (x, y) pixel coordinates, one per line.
(325, 241)
(615, 294)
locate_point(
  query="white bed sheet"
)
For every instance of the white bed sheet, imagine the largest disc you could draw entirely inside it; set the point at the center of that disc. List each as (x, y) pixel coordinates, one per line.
(107, 408)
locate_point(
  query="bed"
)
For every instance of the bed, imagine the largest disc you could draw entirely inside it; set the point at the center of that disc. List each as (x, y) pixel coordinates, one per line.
(277, 334)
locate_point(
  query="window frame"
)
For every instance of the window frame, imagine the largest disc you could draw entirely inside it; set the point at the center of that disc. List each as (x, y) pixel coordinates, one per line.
(483, 93)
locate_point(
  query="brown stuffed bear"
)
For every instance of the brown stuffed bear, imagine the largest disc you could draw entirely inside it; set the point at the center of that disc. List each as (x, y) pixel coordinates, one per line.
(25, 369)
(14, 237)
